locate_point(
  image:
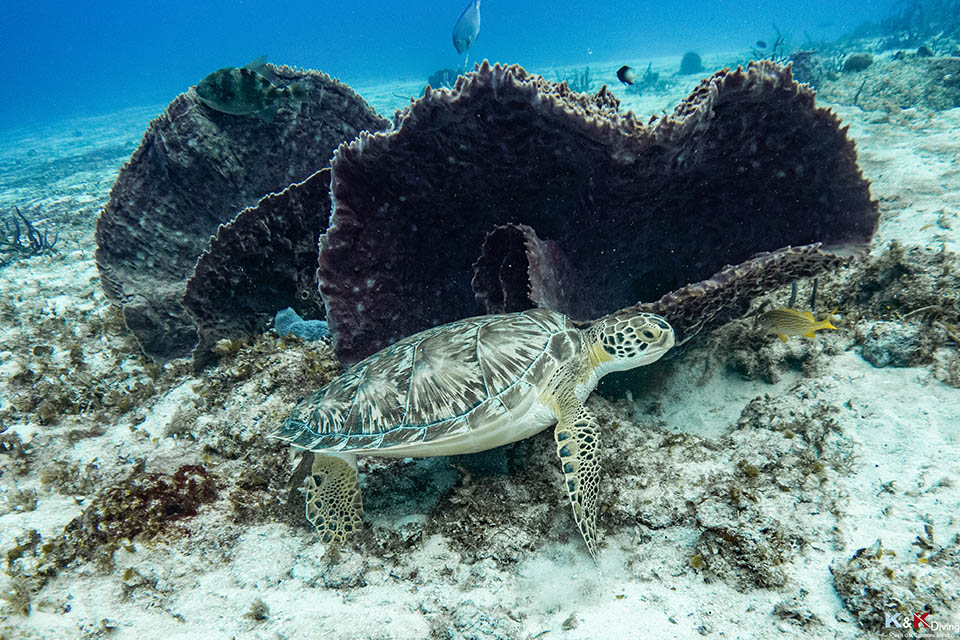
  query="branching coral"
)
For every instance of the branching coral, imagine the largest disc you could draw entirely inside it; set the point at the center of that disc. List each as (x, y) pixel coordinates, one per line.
(13, 244)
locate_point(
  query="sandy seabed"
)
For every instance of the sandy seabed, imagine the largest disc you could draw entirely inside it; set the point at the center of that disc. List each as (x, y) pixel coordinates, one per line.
(751, 490)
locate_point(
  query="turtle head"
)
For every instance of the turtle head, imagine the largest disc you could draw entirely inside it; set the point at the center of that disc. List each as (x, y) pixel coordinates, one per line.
(623, 341)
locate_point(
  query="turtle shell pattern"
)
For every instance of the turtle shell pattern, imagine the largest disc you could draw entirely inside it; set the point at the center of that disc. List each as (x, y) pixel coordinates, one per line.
(437, 383)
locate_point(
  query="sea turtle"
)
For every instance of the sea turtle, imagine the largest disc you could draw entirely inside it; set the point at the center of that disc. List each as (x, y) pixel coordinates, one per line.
(465, 387)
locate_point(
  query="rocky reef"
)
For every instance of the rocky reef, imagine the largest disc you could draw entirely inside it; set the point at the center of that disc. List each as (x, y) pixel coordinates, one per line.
(888, 82)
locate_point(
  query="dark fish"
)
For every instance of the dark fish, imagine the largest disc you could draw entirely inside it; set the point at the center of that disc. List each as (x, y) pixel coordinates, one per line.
(626, 74)
(242, 91)
(761, 44)
(467, 29)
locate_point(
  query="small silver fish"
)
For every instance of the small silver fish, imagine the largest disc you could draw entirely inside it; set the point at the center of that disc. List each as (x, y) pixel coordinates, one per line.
(467, 29)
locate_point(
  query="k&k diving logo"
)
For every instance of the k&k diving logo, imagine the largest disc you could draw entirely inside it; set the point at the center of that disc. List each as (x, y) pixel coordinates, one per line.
(923, 624)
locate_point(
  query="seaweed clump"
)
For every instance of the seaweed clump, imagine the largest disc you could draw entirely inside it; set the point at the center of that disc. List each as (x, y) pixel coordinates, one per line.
(143, 506)
(876, 586)
(917, 282)
(747, 539)
(278, 365)
(52, 381)
(16, 457)
(19, 591)
(907, 305)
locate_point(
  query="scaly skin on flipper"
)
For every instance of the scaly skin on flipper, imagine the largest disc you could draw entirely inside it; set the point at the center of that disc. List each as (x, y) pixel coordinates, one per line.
(578, 445)
(333, 503)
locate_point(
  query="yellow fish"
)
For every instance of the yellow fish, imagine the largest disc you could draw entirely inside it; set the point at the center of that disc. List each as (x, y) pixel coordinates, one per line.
(790, 322)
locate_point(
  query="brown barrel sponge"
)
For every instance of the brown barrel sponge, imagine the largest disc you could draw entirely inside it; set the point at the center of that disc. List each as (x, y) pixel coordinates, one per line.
(263, 260)
(195, 169)
(746, 164)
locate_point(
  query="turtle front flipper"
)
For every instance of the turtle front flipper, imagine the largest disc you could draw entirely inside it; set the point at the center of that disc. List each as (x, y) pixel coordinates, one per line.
(578, 445)
(333, 502)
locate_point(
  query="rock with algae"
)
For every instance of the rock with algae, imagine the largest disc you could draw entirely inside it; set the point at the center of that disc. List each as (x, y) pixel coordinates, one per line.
(877, 585)
(893, 344)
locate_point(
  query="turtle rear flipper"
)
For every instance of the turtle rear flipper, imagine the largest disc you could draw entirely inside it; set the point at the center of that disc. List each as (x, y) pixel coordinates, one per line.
(333, 504)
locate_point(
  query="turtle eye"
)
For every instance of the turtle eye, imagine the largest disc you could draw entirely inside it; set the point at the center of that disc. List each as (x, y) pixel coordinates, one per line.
(646, 333)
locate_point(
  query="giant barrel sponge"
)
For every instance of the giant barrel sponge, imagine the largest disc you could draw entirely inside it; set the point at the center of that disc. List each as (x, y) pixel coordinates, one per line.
(509, 192)
(504, 193)
(195, 169)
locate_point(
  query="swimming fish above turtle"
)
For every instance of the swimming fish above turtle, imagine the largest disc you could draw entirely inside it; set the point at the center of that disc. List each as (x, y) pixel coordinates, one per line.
(247, 90)
(466, 387)
(467, 28)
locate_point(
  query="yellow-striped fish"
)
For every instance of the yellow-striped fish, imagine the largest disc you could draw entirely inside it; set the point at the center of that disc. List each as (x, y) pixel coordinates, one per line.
(790, 322)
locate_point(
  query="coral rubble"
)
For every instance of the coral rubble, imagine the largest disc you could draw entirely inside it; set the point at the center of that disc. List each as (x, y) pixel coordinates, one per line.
(746, 164)
(877, 588)
(195, 169)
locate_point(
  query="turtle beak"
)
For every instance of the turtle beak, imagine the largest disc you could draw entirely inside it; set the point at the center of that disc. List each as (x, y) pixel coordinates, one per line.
(667, 340)
(657, 349)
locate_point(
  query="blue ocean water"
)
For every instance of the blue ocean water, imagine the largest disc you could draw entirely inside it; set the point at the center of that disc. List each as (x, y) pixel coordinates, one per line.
(80, 58)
